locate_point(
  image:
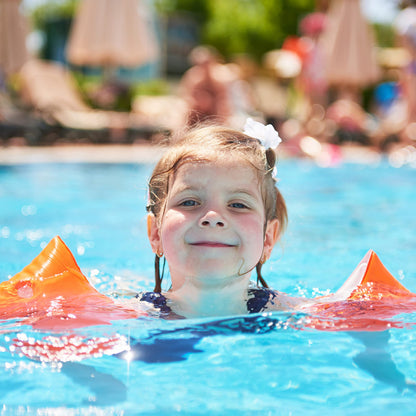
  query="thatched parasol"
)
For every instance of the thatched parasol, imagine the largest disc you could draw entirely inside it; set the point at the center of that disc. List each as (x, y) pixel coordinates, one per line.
(13, 31)
(349, 47)
(111, 33)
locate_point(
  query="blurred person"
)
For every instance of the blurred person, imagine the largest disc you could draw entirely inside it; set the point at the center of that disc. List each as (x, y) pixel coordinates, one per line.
(242, 100)
(312, 78)
(311, 81)
(205, 87)
(390, 109)
(350, 122)
(405, 27)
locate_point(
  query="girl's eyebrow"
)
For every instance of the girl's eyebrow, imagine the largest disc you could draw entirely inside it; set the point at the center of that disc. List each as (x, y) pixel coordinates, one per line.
(250, 197)
(193, 186)
(185, 187)
(234, 192)
(244, 191)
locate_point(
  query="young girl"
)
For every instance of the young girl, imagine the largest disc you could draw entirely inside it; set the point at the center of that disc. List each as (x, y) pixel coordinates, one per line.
(215, 214)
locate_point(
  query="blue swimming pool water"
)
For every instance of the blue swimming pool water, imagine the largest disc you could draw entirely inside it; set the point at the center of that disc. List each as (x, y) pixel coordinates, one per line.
(269, 365)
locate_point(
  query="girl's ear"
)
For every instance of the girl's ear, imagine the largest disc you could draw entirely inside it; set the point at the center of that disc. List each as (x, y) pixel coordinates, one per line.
(153, 234)
(271, 236)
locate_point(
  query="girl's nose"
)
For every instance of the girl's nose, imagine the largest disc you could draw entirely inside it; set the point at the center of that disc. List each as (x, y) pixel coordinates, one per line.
(212, 219)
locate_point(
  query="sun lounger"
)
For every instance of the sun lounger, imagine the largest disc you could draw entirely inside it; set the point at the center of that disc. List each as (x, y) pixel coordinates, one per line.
(20, 126)
(49, 89)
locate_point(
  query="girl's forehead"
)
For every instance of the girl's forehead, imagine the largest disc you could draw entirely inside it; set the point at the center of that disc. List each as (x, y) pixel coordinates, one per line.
(233, 168)
(229, 176)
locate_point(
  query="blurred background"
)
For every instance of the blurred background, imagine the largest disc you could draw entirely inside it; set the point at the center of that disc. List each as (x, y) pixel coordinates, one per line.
(326, 73)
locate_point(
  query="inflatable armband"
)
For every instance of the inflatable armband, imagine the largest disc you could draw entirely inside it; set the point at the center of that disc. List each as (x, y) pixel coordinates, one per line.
(367, 300)
(51, 292)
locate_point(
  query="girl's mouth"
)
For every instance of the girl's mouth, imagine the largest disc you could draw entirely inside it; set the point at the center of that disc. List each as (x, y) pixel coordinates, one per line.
(211, 244)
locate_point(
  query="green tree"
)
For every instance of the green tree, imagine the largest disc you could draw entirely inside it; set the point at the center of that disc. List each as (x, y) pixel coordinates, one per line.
(53, 9)
(243, 26)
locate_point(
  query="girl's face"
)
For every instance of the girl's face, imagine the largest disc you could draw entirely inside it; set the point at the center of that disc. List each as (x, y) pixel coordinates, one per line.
(213, 226)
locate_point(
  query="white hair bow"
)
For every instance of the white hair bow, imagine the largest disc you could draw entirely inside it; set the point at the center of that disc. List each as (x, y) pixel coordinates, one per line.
(267, 135)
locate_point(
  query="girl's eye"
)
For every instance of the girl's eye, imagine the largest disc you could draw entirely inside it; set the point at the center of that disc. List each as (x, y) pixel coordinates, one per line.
(238, 205)
(188, 203)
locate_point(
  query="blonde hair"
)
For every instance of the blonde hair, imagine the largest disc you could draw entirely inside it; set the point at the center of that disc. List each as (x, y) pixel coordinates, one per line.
(206, 144)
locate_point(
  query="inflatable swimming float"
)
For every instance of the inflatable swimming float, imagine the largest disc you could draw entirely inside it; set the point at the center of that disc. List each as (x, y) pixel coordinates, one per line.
(368, 300)
(51, 293)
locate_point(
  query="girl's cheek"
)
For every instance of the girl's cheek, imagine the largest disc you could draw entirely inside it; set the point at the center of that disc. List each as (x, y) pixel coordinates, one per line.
(254, 230)
(172, 224)
(252, 224)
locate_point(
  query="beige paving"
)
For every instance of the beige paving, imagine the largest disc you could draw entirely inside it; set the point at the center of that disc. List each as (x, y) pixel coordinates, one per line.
(143, 153)
(135, 153)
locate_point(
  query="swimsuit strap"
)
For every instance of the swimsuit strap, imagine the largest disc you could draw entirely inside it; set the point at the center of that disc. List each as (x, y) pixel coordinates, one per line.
(258, 299)
(159, 302)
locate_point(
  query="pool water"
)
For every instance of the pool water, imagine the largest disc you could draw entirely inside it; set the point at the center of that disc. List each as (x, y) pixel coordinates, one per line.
(270, 364)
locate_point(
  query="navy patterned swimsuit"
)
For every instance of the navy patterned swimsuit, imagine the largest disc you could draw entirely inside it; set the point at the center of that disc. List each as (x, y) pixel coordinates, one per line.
(258, 299)
(177, 343)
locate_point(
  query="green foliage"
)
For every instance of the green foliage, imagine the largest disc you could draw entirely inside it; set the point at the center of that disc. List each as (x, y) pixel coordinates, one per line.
(385, 36)
(243, 26)
(198, 8)
(114, 94)
(53, 9)
(238, 26)
(151, 87)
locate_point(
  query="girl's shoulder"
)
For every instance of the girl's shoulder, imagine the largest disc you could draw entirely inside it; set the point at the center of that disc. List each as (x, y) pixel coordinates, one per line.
(156, 304)
(264, 299)
(259, 298)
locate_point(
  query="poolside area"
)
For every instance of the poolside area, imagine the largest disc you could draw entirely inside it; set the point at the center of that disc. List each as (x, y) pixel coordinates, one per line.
(142, 153)
(135, 153)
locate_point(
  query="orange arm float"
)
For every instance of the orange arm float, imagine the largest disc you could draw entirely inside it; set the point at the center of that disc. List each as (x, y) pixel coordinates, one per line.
(367, 300)
(377, 273)
(51, 292)
(371, 280)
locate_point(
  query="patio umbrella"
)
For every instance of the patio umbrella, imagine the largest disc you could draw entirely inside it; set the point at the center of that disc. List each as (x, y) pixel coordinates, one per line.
(111, 33)
(349, 47)
(13, 31)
